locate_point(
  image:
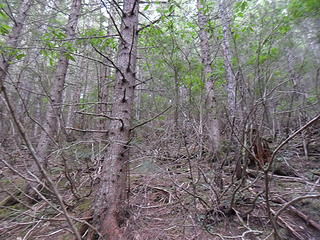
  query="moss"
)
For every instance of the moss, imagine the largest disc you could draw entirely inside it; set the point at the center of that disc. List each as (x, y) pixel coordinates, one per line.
(284, 234)
(18, 182)
(67, 236)
(12, 211)
(311, 208)
(84, 205)
(5, 213)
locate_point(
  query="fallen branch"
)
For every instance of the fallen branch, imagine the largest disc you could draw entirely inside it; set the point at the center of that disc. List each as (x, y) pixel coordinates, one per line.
(296, 211)
(289, 227)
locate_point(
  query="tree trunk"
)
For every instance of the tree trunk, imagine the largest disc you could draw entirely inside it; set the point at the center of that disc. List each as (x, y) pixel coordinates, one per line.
(176, 99)
(212, 123)
(110, 202)
(12, 41)
(12, 44)
(75, 92)
(104, 80)
(231, 81)
(54, 106)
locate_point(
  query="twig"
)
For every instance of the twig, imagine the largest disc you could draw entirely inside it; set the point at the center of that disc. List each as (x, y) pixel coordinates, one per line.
(153, 22)
(87, 130)
(113, 64)
(151, 119)
(102, 115)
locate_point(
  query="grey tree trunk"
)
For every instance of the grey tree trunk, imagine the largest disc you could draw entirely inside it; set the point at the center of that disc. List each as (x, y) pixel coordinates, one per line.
(103, 93)
(104, 79)
(176, 99)
(56, 95)
(211, 120)
(231, 81)
(110, 201)
(12, 43)
(75, 92)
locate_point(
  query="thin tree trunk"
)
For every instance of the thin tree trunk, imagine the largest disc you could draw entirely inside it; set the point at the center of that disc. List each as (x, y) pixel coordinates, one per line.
(12, 43)
(176, 99)
(231, 81)
(104, 77)
(37, 115)
(75, 92)
(56, 94)
(212, 123)
(13, 39)
(111, 198)
(103, 93)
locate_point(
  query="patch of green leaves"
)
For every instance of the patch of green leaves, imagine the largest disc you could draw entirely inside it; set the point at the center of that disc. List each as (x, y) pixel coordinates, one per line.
(303, 8)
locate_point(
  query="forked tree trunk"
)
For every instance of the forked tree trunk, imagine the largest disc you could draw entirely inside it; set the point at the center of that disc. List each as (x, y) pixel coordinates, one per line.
(56, 94)
(110, 211)
(211, 120)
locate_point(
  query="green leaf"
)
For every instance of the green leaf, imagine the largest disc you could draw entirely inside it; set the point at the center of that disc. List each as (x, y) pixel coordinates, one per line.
(243, 5)
(20, 56)
(44, 52)
(146, 7)
(51, 62)
(4, 29)
(171, 8)
(236, 36)
(70, 57)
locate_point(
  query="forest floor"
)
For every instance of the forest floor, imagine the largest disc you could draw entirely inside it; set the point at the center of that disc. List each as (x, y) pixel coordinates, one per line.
(177, 191)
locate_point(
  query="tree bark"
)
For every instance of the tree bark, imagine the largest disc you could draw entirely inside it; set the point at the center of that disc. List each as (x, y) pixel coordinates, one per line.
(56, 94)
(176, 99)
(12, 43)
(75, 92)
(13, 40)
(212, 123)
(231, 81)
(110, 202)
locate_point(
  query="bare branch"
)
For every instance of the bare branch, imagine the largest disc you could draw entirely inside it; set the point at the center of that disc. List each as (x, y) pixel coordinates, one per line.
(151, 119)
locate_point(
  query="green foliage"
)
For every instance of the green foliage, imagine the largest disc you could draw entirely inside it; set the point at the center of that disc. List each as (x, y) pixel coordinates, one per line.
(240, 8)
(312, 96)
(20, 56)
(54, 40)
(303, 8)
(4, 28)
(146, 7)
(218, 69)
(192, 78)
(11, 53)
(97, 38)
(312, 99)
(264, 55)
(207, 6)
